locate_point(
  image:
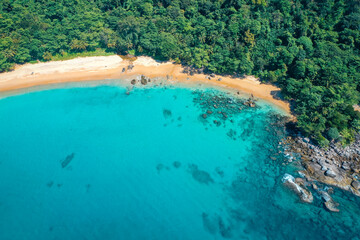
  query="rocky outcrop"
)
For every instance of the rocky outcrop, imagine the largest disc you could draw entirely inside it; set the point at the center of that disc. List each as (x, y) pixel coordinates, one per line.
(335, 166)
(250, 102)
(144, 80)
(329, 203)
(298, 187)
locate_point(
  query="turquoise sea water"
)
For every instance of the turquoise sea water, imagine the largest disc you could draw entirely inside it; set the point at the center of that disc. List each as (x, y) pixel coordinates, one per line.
(96, 163)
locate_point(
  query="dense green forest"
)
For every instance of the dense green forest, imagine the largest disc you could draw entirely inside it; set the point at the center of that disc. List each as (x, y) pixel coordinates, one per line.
(309, 48)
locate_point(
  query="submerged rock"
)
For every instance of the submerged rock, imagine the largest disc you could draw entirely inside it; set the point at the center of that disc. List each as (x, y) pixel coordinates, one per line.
(50, 184)
(67, 160)
(160, 167)
(177, 164)
(210, 223)
(200, 175)
(304, 194)
(167, 113)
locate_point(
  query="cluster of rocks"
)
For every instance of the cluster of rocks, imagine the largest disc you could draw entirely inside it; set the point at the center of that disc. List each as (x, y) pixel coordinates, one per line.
(192, 70)
(212, 76)
(130, 66)
(250, 102)
(141, 79)
(335, 166)
(218, 107)
(298, 186)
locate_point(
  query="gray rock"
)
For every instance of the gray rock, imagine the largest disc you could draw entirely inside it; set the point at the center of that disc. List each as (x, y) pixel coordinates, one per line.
(143, 80)
(355, 168)
(345, 166)
(330, 173)
(355, 184)
(329, 203)
(304, 194)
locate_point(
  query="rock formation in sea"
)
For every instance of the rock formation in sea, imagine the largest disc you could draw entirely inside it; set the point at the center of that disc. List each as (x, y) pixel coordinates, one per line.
(336, 166)
(298, 187)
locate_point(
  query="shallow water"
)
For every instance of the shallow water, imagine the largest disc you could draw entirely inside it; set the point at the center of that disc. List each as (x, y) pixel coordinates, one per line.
(95, 163)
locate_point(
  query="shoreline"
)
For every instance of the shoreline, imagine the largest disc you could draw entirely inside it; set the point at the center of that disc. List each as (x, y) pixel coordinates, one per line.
(87, 69)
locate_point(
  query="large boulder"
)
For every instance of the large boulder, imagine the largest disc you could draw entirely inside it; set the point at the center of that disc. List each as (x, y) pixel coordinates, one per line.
(304, 194)
(330, 173)
(329, 203)
(143, 80)
(355, 184)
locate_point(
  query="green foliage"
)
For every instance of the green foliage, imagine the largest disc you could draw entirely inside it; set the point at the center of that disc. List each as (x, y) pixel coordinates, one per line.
(333, 133)
(321, 141)
(308, 48)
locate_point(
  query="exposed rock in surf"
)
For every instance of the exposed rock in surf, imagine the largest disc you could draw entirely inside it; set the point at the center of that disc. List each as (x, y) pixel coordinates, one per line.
(299, 188)
(143, 80)
(329, 203)
(133, 82)
(334, 166)
(250, 102)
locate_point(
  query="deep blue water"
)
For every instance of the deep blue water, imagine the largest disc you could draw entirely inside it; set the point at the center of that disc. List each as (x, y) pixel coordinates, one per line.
(95, 163)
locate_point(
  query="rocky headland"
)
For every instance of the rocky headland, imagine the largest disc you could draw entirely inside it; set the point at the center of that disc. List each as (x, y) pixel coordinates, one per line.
(335, 166)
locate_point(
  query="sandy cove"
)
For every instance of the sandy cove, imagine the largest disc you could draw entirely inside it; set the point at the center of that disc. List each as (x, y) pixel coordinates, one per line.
(111, 67)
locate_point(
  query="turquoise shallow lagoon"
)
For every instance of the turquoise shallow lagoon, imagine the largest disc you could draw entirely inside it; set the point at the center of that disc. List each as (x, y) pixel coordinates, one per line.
(96, 163)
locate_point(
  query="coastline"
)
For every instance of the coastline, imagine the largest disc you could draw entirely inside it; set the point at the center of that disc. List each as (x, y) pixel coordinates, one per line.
(114, 68)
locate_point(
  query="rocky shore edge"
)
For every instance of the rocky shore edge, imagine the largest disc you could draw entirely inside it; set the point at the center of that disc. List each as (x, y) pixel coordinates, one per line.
(322, 169)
